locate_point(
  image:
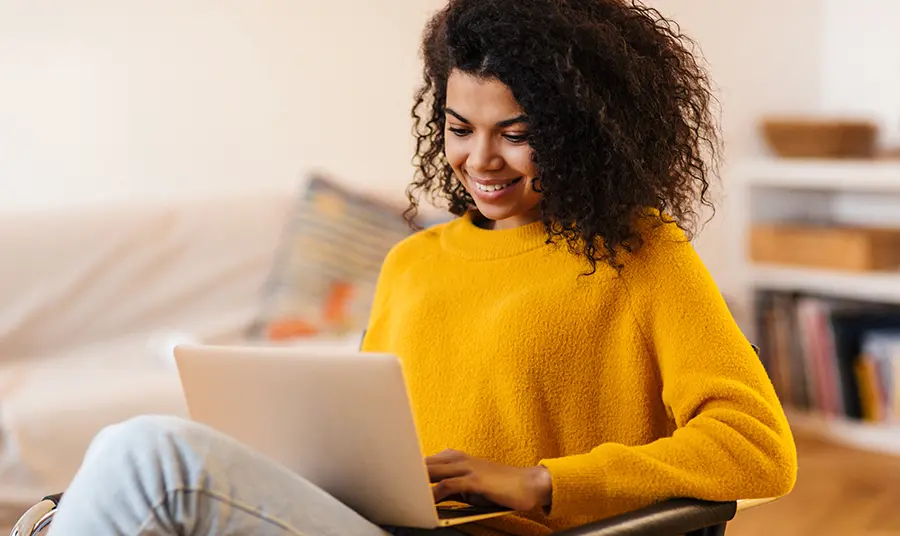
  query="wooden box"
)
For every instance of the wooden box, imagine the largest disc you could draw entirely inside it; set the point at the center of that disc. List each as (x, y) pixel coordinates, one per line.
(857, 249)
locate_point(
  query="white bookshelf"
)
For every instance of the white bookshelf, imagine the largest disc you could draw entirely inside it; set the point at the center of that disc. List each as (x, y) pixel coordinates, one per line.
(871, 287)
(812, 174)
(771, 189)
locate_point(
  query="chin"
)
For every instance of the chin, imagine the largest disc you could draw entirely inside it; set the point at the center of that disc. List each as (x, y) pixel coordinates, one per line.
(493, 212)
(499, 214)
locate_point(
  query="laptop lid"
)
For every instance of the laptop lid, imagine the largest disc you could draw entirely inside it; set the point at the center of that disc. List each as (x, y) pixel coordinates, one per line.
(340, 419)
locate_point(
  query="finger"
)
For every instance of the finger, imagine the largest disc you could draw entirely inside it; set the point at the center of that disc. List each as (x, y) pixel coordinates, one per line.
(446, 456)
(443, 471)
(452, 486)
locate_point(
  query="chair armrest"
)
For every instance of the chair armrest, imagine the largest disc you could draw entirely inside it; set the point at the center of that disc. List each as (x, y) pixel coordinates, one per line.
(37, 517)
(668, 518)
(673, 517)
(746, 504)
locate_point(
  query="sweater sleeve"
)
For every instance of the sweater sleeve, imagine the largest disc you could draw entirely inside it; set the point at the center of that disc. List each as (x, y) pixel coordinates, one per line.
(377, 331)
(732, 440)
(392, 270)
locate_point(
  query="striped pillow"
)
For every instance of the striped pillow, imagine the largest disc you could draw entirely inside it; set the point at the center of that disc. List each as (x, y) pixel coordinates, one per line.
(324, 275)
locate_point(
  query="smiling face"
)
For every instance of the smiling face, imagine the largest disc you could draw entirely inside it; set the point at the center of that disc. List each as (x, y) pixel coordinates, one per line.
(486, 144)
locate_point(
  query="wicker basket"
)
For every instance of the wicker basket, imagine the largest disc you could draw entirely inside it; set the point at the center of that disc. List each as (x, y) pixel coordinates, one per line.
(820, 138)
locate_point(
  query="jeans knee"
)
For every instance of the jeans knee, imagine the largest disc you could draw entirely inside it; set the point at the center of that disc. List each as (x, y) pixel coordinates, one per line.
(143, 427)
(142, 434)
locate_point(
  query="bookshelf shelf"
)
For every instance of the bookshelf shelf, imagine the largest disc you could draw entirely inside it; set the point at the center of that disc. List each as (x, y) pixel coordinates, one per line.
(877, 287)
(813, 174)
(884, 438)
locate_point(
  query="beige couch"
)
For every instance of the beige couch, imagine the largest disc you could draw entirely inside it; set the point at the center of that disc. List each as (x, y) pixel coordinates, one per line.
(90, 300)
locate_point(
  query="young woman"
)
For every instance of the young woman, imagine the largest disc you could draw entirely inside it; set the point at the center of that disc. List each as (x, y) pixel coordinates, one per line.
(567, 353)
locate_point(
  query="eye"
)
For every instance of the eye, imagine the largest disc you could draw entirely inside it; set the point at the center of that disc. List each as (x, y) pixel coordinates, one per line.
(516, 138)
(459, 132)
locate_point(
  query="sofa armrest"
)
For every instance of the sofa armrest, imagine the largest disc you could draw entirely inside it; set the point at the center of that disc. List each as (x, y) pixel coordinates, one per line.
(668, 518)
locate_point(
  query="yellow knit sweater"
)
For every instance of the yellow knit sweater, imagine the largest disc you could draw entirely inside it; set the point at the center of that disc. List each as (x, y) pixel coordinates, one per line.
(629, 388)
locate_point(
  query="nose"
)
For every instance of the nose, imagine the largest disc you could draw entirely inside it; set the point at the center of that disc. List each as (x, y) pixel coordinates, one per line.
(484, 155)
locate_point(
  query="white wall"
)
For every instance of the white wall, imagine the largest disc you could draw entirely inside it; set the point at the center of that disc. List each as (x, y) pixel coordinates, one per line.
(764, 56)
(108, 99)
(861, 67)
(105, 99)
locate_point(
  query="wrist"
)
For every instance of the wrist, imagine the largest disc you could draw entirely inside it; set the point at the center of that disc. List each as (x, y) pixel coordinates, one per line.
(542, 483)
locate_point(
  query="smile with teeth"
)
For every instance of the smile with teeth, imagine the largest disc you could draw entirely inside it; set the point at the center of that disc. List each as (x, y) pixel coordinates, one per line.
(495, 187)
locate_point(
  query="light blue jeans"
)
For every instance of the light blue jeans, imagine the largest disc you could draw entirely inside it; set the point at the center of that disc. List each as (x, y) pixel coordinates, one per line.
(157, 475)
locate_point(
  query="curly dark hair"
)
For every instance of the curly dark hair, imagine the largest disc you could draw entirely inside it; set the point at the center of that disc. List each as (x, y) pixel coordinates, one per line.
(618, 109)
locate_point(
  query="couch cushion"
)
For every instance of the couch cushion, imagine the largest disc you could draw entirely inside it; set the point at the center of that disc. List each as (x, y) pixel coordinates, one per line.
(51, 408)
(74, 278)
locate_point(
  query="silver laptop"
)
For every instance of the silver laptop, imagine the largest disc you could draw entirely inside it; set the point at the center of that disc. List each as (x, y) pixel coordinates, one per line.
(341, 419)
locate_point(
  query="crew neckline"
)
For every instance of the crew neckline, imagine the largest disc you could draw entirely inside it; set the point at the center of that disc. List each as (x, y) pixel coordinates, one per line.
(464, 237)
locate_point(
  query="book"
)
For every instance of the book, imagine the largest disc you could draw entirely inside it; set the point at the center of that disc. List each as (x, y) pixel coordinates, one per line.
(835, 357)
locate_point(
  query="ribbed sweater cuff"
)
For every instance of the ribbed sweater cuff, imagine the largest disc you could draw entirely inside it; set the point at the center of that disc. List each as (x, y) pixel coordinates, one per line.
(578, 484)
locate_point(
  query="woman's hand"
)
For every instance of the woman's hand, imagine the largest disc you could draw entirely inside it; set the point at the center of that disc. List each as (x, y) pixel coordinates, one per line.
(478, 481)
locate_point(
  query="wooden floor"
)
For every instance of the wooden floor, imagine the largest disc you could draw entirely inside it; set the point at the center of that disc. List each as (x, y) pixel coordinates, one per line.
(839, 492)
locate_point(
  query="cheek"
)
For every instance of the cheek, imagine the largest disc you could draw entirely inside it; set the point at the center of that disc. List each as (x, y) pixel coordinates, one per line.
(454, 151)
(521, 159)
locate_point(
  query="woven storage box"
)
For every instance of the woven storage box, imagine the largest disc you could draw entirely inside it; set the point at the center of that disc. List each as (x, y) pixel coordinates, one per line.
(820, 138)
(856, 249)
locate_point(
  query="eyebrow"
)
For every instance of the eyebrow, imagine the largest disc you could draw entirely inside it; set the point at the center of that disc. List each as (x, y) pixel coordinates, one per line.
(502, 124)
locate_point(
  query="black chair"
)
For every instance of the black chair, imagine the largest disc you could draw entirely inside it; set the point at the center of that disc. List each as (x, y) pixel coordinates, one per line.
(674, 517)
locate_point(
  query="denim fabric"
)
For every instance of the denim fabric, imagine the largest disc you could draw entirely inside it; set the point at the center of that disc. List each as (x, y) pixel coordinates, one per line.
(168, 476)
